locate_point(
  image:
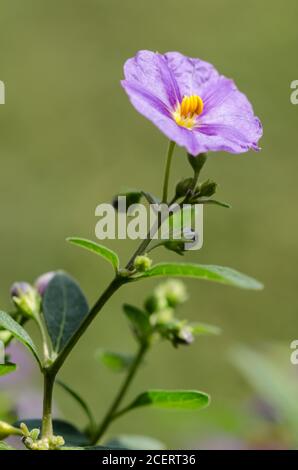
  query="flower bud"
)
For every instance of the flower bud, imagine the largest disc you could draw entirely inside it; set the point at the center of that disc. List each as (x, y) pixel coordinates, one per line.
(43, 281)
(174, 291)
(7, 430)
(183, 336)
(178, 246)
(162, 318)
(207, 189)
(55, 442)
(26, 298)
(142, 263)
(155, 303)
(183, 187)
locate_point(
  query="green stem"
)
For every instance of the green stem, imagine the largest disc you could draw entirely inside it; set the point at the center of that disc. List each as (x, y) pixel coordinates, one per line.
(167, 171)
(120, 395)
(51, 371)
(47, 426)
(46, 352)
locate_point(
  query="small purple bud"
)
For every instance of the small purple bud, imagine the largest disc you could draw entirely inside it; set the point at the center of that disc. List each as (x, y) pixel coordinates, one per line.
(20, 288)
(43, 281)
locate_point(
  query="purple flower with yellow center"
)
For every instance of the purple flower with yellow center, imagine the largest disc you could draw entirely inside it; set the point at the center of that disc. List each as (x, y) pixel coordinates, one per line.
(191, 103)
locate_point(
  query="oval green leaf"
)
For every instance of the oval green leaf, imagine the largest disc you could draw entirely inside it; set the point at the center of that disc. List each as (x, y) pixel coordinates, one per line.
(64, 308)
(98, 249)
(177, 399)
(206, 272)
(115, 361)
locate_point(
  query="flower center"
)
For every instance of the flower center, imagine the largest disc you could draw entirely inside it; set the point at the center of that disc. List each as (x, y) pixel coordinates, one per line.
(187, 111)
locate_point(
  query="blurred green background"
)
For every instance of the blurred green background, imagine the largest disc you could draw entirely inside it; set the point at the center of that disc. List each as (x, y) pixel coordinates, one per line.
(70, 139)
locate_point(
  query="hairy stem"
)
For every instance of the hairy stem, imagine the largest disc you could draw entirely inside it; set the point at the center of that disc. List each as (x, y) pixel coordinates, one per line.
(120, 395)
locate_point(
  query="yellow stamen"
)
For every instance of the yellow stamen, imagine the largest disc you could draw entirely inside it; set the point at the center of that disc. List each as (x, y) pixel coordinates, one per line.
(187, 111)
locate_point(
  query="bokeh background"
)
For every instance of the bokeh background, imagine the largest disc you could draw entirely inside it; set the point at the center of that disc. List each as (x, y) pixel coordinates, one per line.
(70, 139)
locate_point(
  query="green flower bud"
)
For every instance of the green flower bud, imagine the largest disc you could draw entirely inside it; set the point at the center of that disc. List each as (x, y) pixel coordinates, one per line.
(207, 189)
(7, 430)
(174, 292)
(26, 298)
(155, 303)
(142, 263)
(183, 187)
(178, 246)
(162, 317)
(55, 442)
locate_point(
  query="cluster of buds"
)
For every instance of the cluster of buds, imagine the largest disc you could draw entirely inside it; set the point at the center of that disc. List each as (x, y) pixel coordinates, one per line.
(32, 442)
(142, 263)
(161, 307)
(47, 443)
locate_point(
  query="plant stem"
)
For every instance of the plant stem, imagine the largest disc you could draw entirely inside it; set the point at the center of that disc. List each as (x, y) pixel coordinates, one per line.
(47, 426)
(46, 352)
(167, 171)
(51, 371)
(120, 395)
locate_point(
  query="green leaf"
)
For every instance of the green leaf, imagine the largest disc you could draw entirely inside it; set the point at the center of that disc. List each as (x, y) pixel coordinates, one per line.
(215, 202)
(131, 442)
(18, 332)
(71, 435)
(117, 362)
(7, 368)
(207, 272)
(5, 446)
(205, 329)
(81, 402)
(139, 320)
(178, 399)
(64, 308)
(98, 249)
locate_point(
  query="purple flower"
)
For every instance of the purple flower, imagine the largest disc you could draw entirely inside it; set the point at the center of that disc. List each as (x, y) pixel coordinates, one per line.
(191, 103)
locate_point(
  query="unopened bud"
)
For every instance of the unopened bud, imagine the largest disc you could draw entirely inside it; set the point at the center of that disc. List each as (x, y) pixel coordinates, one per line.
(43, 281)
(155, 303)
(142, 263)
(184, 336)
(26, 298)
(207, 189)
(183, 187)
(174, 291)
